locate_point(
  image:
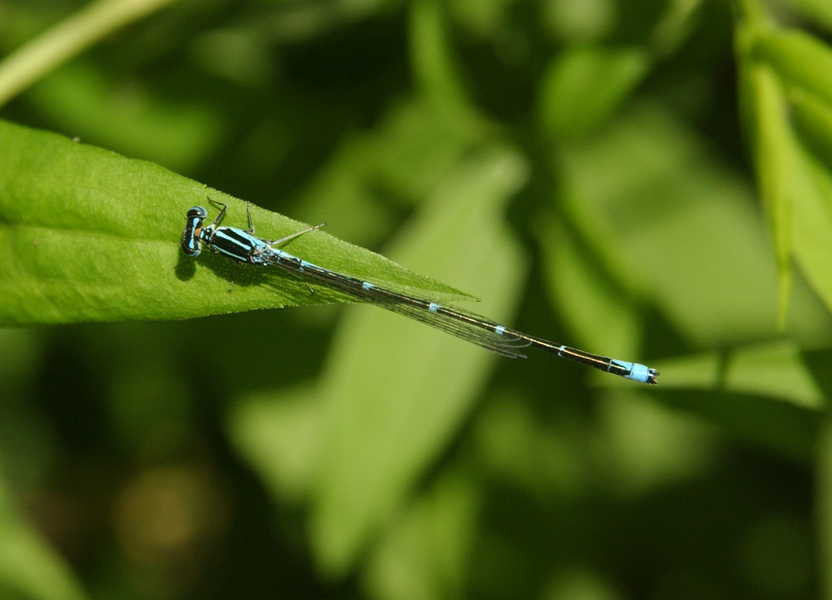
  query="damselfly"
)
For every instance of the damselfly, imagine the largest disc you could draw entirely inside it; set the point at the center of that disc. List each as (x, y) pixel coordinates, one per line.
(246, 248)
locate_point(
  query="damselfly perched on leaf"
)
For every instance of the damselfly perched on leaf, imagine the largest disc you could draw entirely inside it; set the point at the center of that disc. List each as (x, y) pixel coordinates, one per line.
(246, 248)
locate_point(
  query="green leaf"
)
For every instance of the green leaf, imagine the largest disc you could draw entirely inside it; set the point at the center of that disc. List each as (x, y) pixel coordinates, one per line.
(813, 226)
(716, 288)
(790, 177)
(812, 121)
(436, 70)
(88, 235)
(773, 150)
(598, 315)
(400, 160)
(800, 59)
(765, 393)
(674, 28)
(376, 448)
(378, 420)
(584, 86)
(781, 427)
(281, 438)
(544, 457)
(645, 220)
(426, 554)
(579, 21)
(775, 371)
(643, 446)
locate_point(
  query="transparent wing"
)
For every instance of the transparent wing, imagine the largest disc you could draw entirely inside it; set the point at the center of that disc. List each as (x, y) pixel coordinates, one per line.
(463, 324)
(458, 322)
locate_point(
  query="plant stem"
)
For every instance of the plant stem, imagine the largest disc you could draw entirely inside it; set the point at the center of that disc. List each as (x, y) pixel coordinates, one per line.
(32, 61)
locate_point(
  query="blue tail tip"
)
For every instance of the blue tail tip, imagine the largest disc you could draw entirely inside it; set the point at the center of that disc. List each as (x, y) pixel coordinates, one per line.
(643, 374)
(639, 372)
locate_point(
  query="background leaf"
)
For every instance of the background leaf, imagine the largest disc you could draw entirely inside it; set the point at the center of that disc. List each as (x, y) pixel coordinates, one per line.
(577, 164)
(584, 87)
(370, 448)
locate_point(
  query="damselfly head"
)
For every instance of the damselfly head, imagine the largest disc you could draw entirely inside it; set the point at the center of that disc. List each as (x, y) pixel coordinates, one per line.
(190, 237)
(198, 212)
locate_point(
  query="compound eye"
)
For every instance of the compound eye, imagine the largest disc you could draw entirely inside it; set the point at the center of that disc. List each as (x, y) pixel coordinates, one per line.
(197, 212)
(191, 247)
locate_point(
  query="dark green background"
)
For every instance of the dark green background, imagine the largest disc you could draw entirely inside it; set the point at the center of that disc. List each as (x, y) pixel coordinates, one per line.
(583, 168)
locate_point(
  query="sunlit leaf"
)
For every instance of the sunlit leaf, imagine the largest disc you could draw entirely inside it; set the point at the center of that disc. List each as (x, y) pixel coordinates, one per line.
(799, 58)
(646, 216)
(774, 161)
(813, 225)
(766, 394)
(91, 236)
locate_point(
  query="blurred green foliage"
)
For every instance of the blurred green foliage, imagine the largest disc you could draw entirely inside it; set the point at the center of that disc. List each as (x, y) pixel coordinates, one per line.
(589, 168)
